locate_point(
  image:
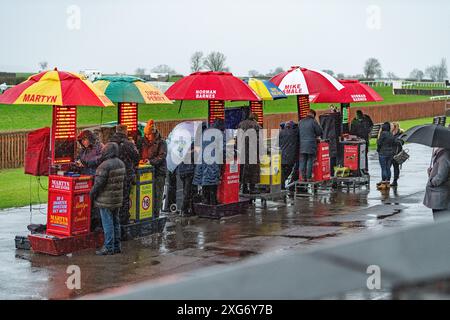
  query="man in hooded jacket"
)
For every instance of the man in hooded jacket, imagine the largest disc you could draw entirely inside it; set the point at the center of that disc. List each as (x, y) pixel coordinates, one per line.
(107, 194)
(129, 155)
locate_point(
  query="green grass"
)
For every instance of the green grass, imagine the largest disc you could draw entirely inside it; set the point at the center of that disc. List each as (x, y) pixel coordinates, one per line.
(31, 117)
(15, 185)
(15, 189)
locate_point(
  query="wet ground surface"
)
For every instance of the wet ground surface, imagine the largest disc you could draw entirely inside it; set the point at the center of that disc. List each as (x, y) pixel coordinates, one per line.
(188, 244)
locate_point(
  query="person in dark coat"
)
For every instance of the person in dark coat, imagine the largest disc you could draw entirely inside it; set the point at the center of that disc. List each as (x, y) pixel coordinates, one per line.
(289, 146)
(309, 131)
(107, 194)
(87, 161)
(361, 127)
(207, 175)
(250, 172)
(437, 193)
(129, 155)
(398, 147)
(385, 149)
(153, 150)
(186, 170)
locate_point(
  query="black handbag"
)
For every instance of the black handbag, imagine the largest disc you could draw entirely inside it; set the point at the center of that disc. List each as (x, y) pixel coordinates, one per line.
(402, 156)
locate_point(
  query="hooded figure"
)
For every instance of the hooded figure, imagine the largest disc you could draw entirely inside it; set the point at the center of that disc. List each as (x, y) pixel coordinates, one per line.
(250, 172)
(107, 194)
(309, 131)
(207, 175)
(289, 144)
(153, 150)
(437, 193)
(385, 149)
(129, 155)
(89, 154)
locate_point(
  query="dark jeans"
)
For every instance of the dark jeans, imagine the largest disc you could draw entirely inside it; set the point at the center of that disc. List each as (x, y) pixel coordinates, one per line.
(188, 193)
(172, 190)
(396, 170)
(209, 194)
(385, 163)
(158, 187)
(306, 165)
(124, 213)
(286, 170)
(111, 228)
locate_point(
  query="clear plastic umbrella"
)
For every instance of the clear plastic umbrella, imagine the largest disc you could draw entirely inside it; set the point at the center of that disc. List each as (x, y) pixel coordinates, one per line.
(179, 142)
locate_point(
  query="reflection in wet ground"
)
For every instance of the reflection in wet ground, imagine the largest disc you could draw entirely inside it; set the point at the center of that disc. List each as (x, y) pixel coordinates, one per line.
(188, 244)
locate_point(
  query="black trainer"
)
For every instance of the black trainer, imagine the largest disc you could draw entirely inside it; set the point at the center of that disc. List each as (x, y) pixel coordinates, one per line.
(104, 252)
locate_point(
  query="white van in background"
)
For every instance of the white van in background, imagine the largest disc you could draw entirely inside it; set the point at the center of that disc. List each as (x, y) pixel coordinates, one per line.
(91, 74)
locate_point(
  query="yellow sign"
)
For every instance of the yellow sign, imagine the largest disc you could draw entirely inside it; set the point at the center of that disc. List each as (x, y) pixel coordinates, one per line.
(146, 201)
(58, 220)
(270, 167)
(276, 169)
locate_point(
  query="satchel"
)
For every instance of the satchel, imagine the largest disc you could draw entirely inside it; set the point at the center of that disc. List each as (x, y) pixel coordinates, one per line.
(402, 156)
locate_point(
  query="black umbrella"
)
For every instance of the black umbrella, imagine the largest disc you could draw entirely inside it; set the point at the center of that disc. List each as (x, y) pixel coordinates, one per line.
(431, 135)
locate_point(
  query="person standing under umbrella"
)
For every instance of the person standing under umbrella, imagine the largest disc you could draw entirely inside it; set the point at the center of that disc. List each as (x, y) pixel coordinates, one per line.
(153, 150)
(437, 192)
(361, 127)
(186, 171)
(250, 171)
(385, 149)
(309, 131)
(208, 173)
(289, 150)
(129, 155)
(87, 161)
(107, 194)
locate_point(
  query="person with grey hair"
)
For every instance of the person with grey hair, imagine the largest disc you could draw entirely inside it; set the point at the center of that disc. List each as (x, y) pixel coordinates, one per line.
(437, 192)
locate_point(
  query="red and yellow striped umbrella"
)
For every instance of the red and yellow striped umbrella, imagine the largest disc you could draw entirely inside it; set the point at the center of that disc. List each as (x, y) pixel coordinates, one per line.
(57, 88)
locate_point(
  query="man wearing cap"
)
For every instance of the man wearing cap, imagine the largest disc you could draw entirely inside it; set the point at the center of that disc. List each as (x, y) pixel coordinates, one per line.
(153, 150)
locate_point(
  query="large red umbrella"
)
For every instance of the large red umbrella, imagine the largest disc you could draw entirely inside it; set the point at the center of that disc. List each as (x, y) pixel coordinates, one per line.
(211, 86)
(302, 81)
(354, 91)
(215, 87)
(308, 85)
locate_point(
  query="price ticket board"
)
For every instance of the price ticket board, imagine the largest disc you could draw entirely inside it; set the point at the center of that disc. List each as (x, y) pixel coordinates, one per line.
(303, 106)
(256, 107)
(128, 115)
(63, 139)
(216, 110)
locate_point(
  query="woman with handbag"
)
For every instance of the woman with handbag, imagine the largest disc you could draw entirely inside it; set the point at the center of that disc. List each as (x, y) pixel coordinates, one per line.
(398, 148)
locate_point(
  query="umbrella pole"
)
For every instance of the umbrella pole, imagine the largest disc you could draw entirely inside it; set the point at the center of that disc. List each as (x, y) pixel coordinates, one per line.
(179, 109)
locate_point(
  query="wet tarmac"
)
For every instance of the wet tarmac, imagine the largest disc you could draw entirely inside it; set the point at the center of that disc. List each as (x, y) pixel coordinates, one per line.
(188, 244)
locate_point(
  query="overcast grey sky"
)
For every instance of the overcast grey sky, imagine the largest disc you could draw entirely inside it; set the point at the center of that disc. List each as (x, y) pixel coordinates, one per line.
(122, 35)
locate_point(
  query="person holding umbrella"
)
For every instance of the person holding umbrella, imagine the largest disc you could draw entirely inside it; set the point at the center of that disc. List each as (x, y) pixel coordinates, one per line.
(153, 150)
(437, 192)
